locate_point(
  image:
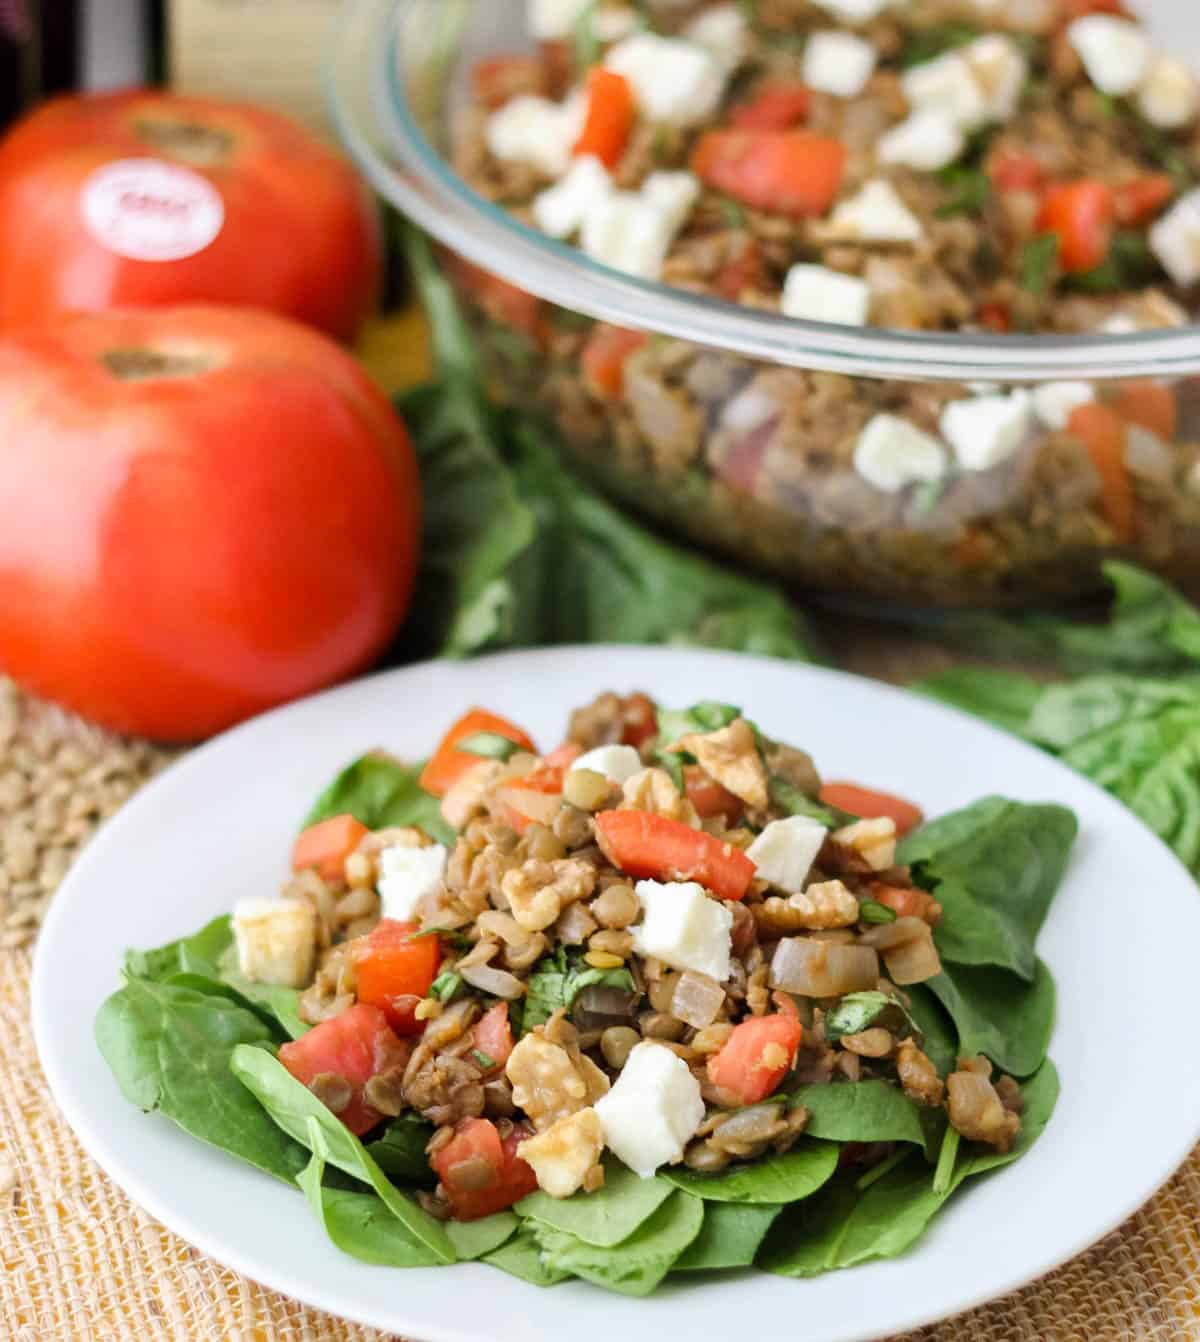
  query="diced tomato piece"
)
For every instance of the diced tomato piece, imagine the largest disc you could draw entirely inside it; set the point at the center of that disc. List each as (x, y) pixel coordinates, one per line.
(327, 845)
(639, 719)
(499, 78)
(449, 763)
(757, 1056)
(777, 106)
(604, 357)
(1151, 405)
(394, 969)
(356, 1045)
(868, 803)
(504, 303)
(995, 317)
(480, 1173)
(611, 112)
(493, 1034)
(1102, 431)
(1081, 215)
(1011, 170)
(536, 796)
(654, 847)
(562, 757)
(787, 172)
(745, 269)
(709, 797)
(904, 901)
(1078, 9)
(1137, 202)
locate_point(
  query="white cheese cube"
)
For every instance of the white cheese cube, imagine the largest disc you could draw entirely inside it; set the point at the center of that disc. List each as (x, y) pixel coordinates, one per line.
(674, 81)
(1054, 401)
(407, 875)
(785, 851)
(1175, 239)
(536, 131)
(684, 928)
(892, 454)
(561, 209)
(627, 232)
(946, 85)
(616, 763)
(876, 214)
(723, 32)
(854, 11)
(674, 193)
(819, 294)
(550, 20)
(926, 141)
(839, 63)
(986, 430)
(276, 940)
(652, 1110)
(1115, 52)
(1000, 69)
(1170, 94)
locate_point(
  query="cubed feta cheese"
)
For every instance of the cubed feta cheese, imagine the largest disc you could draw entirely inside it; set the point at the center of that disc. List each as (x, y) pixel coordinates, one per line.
(550, 20)
(986, 430)
(684, 928)
(723, 32)
(876, 214)
(785, 851)
(536, 131)
(653, 1109)
(1175, 239)
(407, 875)
(561, 209)
(1170, 94)
(1054, 401)
(891, 454)
(819, 294)
(946, 85)
(276, 940)
(1115, 52)
(854, 11)
(838, 63)
(674, 193)
(616, 763)
(1000, 69)
(926, 141)
(674, 80)
(629, 233)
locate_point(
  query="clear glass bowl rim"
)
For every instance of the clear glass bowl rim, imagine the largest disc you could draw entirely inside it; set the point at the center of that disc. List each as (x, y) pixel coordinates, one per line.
(370, 109)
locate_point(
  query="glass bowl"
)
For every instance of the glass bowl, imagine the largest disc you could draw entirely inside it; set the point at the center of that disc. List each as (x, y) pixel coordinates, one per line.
(735, 427)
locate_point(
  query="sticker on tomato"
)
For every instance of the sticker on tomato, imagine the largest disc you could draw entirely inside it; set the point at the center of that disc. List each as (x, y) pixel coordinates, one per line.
(147, 210)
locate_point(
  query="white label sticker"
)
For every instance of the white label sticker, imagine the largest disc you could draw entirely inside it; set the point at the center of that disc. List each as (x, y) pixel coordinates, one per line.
(147, 210)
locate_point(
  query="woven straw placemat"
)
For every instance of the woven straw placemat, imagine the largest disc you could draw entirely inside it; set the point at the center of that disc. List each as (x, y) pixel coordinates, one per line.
(80, 1263)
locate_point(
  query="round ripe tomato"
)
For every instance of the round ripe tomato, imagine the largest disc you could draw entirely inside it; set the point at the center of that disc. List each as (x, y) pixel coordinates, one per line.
(207, 512)
(145, 198)
(480, 1172)
(394, 968)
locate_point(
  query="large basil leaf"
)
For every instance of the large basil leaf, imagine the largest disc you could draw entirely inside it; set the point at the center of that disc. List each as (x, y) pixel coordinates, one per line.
(998, 1014)
(730, 1236)
(379, 791)
(606, 1217)
(863, 1111)
(796, 1174)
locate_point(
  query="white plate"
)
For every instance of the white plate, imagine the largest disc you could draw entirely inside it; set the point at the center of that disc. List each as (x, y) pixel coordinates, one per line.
(1120, 939)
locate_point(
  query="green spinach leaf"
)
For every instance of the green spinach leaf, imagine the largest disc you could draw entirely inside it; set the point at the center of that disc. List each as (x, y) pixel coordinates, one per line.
(939, 1042)
(199, 953)
(606, 1217)
(477, 1239)
(796, 1174)
(1000, 697)
(1039, 263)
(707, 716)
(862, 1111)
(998, 1014)
(400, 1152)
(379, 791)
(730, 1236)
(521, 1257)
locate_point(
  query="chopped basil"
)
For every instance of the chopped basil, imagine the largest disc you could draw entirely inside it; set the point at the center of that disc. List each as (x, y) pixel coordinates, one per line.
(1130, 264)
(1166, 152)
(732, 213)
(585, 39)
(1038, 261)
(672, 762)
(872, 911)
(706, 716)
(488, 745)
(926, 496)
(970, 190)
(788, 797)
(448, 986)
(485, 1060)
(857, 1012)
(929, 43)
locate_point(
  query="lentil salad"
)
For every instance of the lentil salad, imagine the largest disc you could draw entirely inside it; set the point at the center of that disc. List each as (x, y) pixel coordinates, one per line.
(941, 164)
(656, 976)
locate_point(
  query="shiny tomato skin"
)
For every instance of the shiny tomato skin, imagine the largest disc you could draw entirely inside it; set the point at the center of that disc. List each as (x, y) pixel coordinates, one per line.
(394, 968)
(181, 552)
(300, 236)
(477, 1140)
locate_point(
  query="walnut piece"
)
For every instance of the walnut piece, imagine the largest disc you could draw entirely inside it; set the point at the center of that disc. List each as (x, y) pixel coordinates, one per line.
(731, 757)
(918, 1076)
(548, 1082)
(978, 1112)
(537, 891)
(825, 905)
(873, 840)
(466, 797)
(562, 1155)
(652, 790)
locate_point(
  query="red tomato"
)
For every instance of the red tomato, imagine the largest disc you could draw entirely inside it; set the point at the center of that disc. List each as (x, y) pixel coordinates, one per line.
(653, 847)
(787, 172)
(448, 763)
(493, 1034)
(480, 1173)
(1081, 214)
(611, 112)
(995, 317)
(604, 357)
(327, 845)
(744, 269)
(1151, 405)
(356, 1045)
(1139, 201)
(1103, 432)
(639, 719)
(709, 797)
(501, 301)
(246, 207)
(1011, 170)
(210, 511)
(756, 1056)
(775, 107)
(868, 804)
(905, 901)
(394, 969)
